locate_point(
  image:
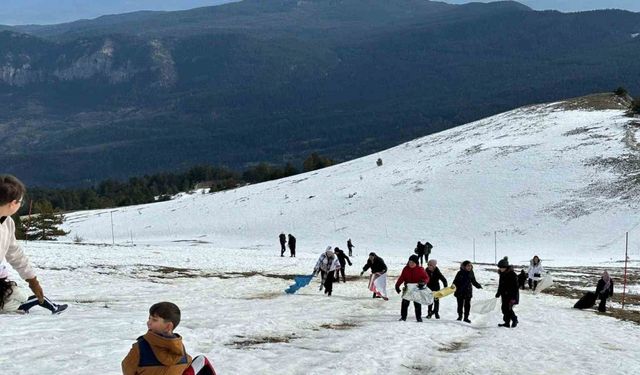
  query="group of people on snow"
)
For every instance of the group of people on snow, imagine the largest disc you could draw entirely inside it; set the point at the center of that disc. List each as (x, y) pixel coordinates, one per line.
(292, 244)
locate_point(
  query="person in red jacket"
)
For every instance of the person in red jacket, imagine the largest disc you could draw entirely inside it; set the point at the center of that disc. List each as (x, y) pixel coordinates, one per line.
(411, 274)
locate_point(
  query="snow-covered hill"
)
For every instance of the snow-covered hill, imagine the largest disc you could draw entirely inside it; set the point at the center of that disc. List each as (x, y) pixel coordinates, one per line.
(555, 179)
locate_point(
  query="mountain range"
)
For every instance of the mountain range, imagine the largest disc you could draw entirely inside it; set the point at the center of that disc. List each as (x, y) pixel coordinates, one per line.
(255, 81)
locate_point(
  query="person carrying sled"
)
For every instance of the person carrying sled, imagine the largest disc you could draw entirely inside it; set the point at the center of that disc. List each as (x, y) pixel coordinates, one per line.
(604, 290)
(435, 276)
(283, 241)
(160, 350)
(464, 281)
(413, 274)
(350, 247)
(377, 266)
(343, 259)
(292, 245)
(328, 265)
(419, 251)
(509, 293)
(12, 193)
(535, 272)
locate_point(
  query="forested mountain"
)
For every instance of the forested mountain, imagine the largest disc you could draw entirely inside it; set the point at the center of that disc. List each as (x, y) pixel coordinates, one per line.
(273, 81)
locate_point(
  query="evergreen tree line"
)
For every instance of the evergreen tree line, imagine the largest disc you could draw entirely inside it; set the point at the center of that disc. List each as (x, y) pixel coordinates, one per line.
(157, 187)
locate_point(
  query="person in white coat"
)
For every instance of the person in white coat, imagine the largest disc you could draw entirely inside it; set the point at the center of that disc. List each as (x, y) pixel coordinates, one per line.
(328, 265)
(535, 272)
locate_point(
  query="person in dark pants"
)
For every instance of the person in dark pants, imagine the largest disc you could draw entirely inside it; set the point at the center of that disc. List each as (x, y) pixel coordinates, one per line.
(283, 240)
(435, 276)
(292, 245)
(604, 290)
(427, 250)
(343, 259)
(509, 292)
(376, 264)
(419, 251)
(522, 279)
(411, 273)
(328, 265)
(350, 247)
(464, 280)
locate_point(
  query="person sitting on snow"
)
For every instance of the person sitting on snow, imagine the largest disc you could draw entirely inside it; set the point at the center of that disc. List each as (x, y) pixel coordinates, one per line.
(328, 265)
(14, 299)
(160, 350)
(535, 272)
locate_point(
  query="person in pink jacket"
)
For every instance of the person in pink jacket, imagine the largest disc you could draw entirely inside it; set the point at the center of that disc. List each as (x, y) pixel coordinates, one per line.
(12, 193)
(412, 273)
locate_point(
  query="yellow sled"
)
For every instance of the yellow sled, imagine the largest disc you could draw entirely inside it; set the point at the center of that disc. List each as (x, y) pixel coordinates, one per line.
(444, 292)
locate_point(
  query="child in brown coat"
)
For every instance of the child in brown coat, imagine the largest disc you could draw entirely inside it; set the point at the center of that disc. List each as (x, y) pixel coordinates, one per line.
(159, 351)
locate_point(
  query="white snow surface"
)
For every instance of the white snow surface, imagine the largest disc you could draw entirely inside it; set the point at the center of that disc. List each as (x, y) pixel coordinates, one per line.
(530, 176)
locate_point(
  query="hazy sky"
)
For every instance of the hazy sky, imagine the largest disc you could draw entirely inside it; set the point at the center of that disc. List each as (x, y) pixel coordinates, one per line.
(569, 5)
(19, 12)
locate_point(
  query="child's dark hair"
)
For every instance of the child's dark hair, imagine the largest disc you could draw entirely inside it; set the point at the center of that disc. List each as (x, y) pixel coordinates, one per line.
(11, 189)
(6, 289)
(167, 311)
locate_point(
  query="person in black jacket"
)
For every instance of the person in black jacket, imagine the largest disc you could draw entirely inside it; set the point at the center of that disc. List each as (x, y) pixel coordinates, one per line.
(435, 276)
(419, 251)
(604, 290)
(292, 245)
(464, 280)
(522, 279)
(350, 247)
(376, 264)
(283, 240)
(343, 259)
(509, 291)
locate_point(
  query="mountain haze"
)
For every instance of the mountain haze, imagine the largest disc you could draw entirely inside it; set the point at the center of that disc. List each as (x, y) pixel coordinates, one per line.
(274, 81)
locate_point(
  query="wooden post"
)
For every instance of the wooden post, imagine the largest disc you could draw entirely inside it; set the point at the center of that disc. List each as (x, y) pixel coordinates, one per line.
(626, 258)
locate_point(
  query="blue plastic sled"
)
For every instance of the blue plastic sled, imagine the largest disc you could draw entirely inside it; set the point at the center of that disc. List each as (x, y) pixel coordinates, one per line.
(300, 281)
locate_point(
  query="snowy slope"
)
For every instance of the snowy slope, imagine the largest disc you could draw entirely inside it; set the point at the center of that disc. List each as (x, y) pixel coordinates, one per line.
(542, 179)
(547, 179)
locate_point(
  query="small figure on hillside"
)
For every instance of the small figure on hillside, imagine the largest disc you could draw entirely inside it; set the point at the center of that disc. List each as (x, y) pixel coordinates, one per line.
(328, 265)
(283, 241)
(435, 276)
(427, 250)
(14, 299)
(12, 193)
(379, 162)
(522, 279)
(159, 351)
(413, 274)
(604, 290)
(464, 280)
(509, 293)
(378, 268)
(343, 259)
(292, 245)
(419, 251)
(535, 272)
(350, 247)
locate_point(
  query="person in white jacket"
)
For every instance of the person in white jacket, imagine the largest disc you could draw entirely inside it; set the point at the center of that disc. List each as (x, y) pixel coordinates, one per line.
(12, 193)
(328, 265)
(535, 272)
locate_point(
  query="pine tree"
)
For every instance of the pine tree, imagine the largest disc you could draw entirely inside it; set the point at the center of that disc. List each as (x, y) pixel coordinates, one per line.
(43, 225)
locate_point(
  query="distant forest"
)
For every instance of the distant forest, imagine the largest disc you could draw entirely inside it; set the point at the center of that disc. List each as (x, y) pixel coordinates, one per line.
(160, 186)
